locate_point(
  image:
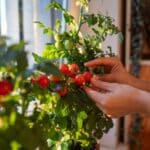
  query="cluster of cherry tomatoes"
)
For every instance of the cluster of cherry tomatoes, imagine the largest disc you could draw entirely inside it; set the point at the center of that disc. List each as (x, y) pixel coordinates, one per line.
(70, 71)
(73, 71)
(44, 81)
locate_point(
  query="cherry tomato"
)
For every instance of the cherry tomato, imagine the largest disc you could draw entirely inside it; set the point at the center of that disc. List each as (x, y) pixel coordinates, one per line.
(6, 87)
(79, 79)
(33, 80)
(87, 76)
(64, 69)
(62, 92)
(54, 78)
(43, 81)
(74, 68)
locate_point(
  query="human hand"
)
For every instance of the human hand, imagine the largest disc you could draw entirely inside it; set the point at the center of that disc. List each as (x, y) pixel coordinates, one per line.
(117, 72)
(115, 99)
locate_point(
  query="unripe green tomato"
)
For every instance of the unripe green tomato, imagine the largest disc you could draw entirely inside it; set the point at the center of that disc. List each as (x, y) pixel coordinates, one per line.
(57, 37)
(59, 45)
(68, 44)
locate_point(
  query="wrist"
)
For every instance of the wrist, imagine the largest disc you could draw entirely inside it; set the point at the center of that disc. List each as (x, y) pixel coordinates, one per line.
(143, 99)
(132, 81)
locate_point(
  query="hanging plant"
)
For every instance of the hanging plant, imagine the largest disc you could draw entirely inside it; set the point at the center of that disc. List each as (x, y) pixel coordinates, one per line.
(45, 107)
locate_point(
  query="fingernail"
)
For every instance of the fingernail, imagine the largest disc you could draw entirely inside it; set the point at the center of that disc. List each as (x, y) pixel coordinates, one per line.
(95, 77)
(85, 63)
(85, 88)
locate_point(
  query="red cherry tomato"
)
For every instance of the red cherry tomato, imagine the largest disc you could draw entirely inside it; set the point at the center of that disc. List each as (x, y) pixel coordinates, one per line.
(79, 79)
(62, 92)
(6, 87)
(55, 78)
(33, 80)
(64, 69)
(87, 76)
(43, 81)
(74, 68)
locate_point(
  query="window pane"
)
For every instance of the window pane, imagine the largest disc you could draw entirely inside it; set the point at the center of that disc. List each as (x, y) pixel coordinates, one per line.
(2, 17)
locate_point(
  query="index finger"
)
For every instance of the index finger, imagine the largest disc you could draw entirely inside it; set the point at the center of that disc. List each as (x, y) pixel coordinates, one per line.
(97, 97)
(108, 61)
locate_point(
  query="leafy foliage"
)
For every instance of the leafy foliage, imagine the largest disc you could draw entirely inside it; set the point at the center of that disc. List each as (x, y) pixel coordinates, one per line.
(36, 114)
(72, 44)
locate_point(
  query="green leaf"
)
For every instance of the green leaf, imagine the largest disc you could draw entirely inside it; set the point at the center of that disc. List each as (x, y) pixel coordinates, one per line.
(37, 58)
(51, 52)
(12, 118)
(22, 61)
(58, 25)
(55, 5)
(68, 18)
(62, 109)
(15, 145)
(49, 68)
(18, 46)
(47, 31)
(65, 146)
(80, 118)
(91, 19)
(51, 142)
(40, 24)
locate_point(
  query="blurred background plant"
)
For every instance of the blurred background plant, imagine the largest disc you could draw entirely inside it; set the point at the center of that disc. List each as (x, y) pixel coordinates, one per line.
(44, 107)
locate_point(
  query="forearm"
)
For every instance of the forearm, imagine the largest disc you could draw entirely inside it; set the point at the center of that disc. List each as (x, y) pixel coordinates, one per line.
(140, 84)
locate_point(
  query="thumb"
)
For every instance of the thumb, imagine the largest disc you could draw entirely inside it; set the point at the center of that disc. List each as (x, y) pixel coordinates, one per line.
(97, 97)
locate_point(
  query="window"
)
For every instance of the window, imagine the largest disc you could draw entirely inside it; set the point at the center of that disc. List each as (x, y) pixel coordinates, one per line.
(2, 17)
(17, 19)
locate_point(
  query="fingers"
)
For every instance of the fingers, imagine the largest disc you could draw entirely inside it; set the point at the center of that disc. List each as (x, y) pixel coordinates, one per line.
(97, 97)
(101, 84)
(106, 77)
(102, 62)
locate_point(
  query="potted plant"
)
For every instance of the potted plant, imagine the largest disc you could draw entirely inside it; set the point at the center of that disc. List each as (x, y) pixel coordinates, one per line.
(45, 107)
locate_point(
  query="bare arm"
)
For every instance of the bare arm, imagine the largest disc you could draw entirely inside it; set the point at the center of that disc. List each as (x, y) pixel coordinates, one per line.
(117, 73)
(141, 84)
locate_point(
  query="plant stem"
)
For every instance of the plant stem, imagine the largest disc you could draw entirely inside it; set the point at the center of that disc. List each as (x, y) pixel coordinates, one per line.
(80, 20)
